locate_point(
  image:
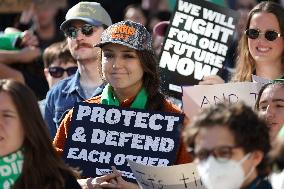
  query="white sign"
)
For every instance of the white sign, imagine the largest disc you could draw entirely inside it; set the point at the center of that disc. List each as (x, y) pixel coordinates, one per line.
(170, 177)
(258, 79)
(200, 96)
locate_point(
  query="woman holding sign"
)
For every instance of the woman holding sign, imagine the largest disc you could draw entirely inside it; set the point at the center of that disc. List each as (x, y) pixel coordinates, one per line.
(230, 145)
(261, 48)
(27, 157)
(130, 68)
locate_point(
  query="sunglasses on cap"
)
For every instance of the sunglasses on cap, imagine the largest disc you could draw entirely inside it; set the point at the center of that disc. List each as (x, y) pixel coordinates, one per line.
(58, 72)
(72, 32)
(270, 35)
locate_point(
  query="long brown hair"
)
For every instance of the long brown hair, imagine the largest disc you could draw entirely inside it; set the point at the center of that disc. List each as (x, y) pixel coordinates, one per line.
(245, 64)
(42, 168)
(151, 79)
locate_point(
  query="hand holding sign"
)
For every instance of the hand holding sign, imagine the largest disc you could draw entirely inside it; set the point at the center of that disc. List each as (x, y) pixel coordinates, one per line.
(121, 183)
(196, 44)
(107, 181)
(101, 136)
(111, 180)
(211, 80)
(180, 177)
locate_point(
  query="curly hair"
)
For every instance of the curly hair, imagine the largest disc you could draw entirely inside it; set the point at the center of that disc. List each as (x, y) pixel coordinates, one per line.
(249, 131)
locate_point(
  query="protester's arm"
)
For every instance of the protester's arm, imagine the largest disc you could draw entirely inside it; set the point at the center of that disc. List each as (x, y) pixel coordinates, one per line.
(121, 183)
(29, 39)
(9, 73)
(105, 181)
(25, 55)
(111, 180)
(211, 80)
(62, 131)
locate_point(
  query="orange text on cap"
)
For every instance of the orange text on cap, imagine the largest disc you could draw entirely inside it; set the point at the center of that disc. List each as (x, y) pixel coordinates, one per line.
(122, 32)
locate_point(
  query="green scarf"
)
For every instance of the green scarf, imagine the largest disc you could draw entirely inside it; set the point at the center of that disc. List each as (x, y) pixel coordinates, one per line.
(139, 102)
(10, 168)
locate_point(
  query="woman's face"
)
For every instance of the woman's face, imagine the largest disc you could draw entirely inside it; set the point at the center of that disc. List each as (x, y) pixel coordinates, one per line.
(11, 130)
(222, 141)
(121, 67)
(271, 106)
(260, 48)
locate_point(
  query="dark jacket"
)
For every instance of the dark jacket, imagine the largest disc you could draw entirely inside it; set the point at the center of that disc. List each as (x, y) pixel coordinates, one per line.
(260, 183)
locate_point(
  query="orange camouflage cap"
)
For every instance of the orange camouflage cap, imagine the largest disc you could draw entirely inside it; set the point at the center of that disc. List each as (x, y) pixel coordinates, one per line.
(131, 34)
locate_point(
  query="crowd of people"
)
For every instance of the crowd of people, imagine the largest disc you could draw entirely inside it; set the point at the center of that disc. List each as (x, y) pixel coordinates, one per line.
(47, 69)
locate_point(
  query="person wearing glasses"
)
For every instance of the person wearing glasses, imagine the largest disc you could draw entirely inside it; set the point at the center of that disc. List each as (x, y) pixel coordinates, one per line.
(27, 157)
(230, 143)
(270, 104)
(261, 48)
(83, 27)
(58, 65)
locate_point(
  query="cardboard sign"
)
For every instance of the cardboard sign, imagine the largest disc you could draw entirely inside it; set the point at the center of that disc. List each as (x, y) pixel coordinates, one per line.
(258, 79)
(196, 44)
(200, 96)
(15, 6)
(102, 136)
(171, 177)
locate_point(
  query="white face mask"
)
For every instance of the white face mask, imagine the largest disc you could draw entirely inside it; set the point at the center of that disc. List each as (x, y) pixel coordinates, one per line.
(222, 175)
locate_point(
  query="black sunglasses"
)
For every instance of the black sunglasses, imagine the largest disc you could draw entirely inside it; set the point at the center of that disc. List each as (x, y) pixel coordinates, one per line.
(58, 72)
(270, 35)
(72, 32)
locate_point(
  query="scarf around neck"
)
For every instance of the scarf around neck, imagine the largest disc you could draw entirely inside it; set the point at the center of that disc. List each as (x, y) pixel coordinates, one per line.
(108, 98)
(10, 168)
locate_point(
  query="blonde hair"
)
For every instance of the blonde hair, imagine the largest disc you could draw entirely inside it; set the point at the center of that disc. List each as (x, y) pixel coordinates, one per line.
(245, 64)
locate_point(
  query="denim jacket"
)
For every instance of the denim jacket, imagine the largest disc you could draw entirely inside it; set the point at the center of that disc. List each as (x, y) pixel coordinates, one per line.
(61, 98)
